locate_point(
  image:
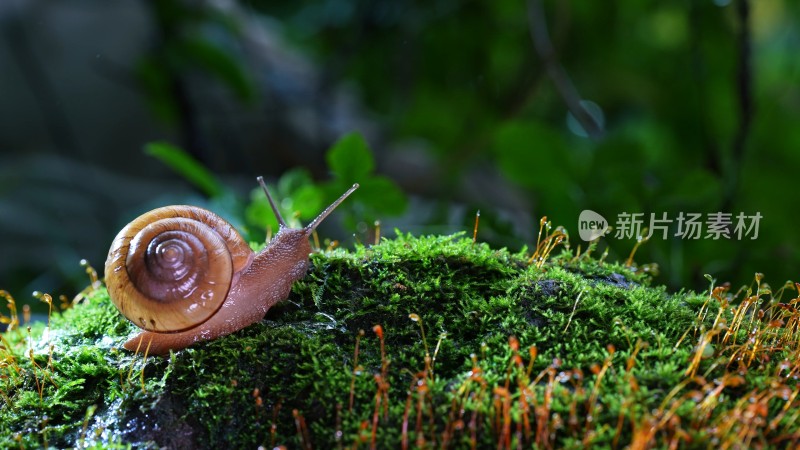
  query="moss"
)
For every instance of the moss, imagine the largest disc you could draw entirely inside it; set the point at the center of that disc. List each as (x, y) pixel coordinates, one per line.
(610, 361)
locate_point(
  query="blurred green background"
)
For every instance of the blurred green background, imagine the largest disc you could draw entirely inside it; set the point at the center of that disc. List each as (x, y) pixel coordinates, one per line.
(517, 109)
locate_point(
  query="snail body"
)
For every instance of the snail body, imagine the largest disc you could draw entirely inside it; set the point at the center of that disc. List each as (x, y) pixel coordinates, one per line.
(183, 274)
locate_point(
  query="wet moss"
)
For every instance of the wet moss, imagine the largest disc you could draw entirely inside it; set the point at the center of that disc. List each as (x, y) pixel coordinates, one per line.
(287, 380)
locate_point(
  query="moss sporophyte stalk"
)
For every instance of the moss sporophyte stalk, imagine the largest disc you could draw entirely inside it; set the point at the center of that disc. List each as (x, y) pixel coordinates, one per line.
(425, 342)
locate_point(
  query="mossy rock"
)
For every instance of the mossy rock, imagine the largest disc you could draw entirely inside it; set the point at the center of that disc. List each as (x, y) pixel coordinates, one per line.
(574, 353)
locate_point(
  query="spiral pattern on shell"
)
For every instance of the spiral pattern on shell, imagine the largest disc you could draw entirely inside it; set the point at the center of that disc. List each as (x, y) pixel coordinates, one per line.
(171, 268)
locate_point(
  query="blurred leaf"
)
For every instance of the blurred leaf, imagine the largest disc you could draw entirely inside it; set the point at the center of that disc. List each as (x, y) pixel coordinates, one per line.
(218, 62)
(156, 84)
(185, 166)
(532, 155)
(438, 117)
(294, 180)
(350, 159)
(306, 202)
(382, 196)
(695, 189)
(259, 216)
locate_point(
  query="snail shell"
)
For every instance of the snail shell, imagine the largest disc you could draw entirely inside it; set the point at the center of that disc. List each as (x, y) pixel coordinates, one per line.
(172, 268)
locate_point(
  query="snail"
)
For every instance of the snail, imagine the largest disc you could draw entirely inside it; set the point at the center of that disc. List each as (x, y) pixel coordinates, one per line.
(183, 274)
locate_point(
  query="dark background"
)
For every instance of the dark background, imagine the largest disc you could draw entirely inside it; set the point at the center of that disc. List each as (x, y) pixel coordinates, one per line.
(517, 109)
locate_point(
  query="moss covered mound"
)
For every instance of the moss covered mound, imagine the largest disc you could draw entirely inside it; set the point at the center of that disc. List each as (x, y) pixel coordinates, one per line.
(424, 342)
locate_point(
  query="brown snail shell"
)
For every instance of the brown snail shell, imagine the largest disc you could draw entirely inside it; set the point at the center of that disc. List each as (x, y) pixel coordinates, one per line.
(171, 268)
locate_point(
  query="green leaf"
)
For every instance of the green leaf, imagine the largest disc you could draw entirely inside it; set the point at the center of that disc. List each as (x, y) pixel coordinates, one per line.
(382, 195)
(350, 159)
(184, 165)
(293, 180)
(299, 197)
(259, 215)
(306, 202)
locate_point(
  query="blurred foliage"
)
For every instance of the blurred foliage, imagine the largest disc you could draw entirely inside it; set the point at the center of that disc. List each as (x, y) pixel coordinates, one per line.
(183, 44)
(699, 104)
(298, 196)
(350, 161)
(667, 76)
(185, 166)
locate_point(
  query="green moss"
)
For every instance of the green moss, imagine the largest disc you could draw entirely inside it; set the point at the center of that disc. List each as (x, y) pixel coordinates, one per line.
(588, 322)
